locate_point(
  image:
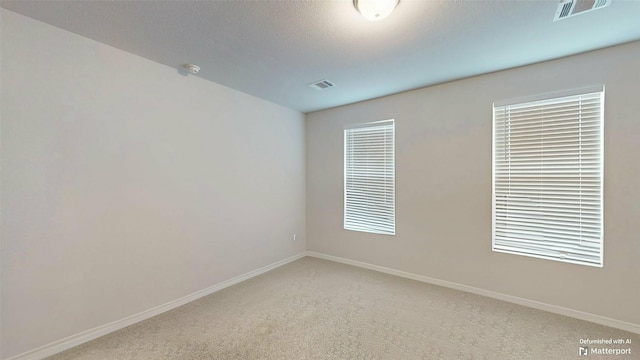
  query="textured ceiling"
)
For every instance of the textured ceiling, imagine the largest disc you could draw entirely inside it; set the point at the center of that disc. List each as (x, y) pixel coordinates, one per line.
(274, 49)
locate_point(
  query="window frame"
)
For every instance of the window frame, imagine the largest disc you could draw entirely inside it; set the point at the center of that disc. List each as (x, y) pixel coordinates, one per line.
(534, 250)
(375, 219)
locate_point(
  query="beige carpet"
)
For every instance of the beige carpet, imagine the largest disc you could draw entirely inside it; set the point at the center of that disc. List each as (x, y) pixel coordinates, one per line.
(316, 309)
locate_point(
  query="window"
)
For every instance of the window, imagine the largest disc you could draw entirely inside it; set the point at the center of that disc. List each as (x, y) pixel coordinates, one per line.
(547, 177)
(369, 178)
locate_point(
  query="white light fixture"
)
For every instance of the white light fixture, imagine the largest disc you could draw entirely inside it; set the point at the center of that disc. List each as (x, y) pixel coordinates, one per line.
(374, 10)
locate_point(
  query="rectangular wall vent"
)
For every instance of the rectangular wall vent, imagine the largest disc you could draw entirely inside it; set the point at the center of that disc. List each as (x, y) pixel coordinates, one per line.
(322, 84)
(568, 8)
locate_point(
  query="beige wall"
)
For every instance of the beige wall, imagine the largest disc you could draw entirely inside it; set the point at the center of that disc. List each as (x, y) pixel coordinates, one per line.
(443, 185)
(126, 185)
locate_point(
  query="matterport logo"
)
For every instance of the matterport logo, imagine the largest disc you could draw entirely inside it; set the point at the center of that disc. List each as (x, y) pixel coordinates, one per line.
(585, 350)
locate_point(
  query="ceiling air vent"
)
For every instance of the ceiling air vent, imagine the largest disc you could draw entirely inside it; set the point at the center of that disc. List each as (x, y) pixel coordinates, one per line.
(322, 84)
(568, 8)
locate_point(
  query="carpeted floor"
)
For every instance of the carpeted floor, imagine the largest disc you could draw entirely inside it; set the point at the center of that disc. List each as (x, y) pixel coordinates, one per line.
(317, 309)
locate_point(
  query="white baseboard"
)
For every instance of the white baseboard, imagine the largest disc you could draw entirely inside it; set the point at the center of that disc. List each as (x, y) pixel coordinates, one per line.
(634, 328)
(80, 338)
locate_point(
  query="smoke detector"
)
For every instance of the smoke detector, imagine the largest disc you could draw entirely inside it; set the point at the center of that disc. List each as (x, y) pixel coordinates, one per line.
(322, 84)
(192, 69)
(568, 8)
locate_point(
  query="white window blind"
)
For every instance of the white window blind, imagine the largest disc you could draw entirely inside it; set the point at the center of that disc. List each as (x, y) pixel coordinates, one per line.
(547, 178)
(369, 177)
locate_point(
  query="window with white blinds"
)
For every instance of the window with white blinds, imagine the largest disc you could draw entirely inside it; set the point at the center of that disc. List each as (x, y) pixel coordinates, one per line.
(547, 177)
(369, 177)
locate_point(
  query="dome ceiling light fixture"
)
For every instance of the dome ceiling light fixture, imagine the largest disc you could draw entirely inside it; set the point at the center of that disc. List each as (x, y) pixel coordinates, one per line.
(375, 10)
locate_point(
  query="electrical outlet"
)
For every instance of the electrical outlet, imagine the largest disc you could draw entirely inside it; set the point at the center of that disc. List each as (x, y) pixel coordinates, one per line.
(294, 237)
